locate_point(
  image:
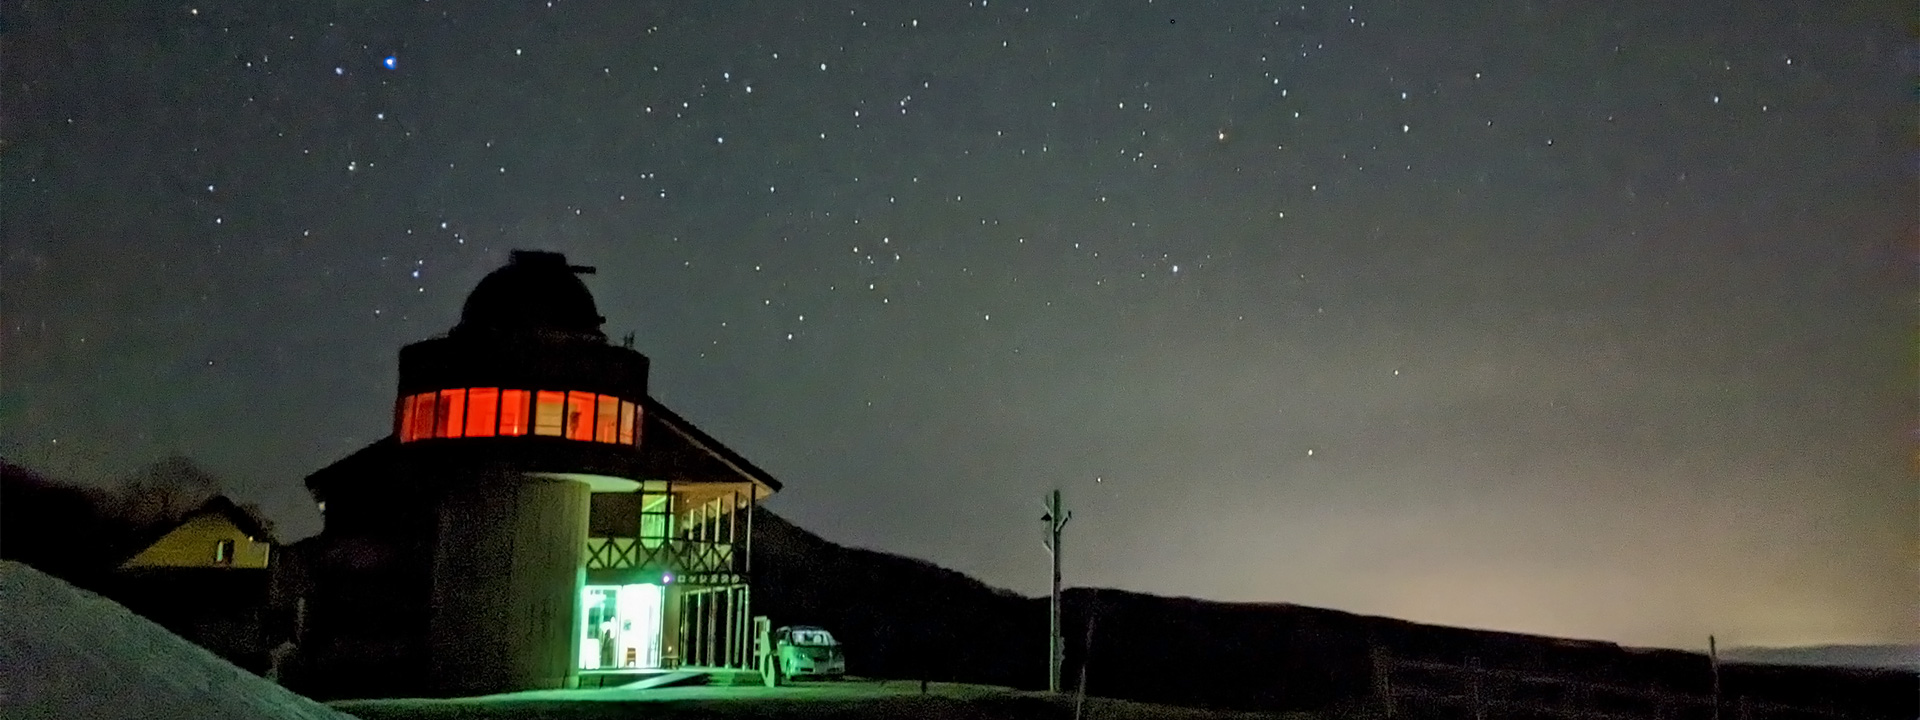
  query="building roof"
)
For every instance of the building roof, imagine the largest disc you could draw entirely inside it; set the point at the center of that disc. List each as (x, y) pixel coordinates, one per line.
(249, 523)
(253, 525)
(534, 292)
(686, 434)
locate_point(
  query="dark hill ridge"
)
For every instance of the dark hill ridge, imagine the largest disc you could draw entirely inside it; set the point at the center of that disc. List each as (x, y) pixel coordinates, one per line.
(909, 619)
(901, 617)
(1905, 657)
(34, 508)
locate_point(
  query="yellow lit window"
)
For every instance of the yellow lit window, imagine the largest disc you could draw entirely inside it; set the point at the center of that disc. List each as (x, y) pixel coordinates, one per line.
(452, 416)
(549, 410)
(515, 413)
(482, 404)
(608, 428)
(579, 415)
(626, 423)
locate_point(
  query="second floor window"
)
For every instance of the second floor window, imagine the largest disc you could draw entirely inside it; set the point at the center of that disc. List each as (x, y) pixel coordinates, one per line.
(491, 412)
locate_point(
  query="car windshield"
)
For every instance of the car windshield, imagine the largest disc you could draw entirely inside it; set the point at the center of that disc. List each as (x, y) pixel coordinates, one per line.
(812, 638)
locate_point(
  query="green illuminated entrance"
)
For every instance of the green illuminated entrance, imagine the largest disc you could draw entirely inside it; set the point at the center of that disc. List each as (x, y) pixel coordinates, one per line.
(621, 626)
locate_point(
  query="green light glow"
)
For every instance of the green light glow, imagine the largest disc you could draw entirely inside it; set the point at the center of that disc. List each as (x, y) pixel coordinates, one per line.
(620, 626)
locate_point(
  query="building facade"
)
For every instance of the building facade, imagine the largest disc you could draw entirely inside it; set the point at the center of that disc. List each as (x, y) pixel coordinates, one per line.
(218, 534)
(534, 518)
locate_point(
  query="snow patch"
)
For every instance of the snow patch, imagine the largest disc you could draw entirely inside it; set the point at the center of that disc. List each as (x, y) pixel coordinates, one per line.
(69, 654)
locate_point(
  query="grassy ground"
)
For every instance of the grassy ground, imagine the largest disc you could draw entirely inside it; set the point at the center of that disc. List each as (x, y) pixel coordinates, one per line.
(849, 699)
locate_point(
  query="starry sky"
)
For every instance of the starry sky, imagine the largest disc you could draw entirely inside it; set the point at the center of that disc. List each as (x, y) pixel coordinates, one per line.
(1589, 319)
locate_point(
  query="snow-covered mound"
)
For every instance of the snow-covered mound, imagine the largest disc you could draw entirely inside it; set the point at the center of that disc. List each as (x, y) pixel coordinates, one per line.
(68, 654)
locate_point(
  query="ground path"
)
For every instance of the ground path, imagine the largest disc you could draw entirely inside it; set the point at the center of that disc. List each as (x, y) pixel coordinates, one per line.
(852, 699)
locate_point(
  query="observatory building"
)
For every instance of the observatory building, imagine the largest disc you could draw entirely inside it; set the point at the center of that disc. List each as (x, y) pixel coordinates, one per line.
(534, 519)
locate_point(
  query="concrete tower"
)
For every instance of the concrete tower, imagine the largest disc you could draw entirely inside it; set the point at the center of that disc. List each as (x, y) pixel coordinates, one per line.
(511, 529)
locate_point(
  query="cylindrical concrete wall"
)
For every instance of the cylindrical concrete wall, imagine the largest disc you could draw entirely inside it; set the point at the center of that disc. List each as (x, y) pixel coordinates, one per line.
(508, 568)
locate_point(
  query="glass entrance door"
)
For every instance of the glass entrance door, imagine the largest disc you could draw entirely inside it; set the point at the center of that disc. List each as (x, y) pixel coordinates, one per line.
(620, 626)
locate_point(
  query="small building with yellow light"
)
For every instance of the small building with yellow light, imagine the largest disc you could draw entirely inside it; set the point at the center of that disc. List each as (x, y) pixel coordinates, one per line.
(217, 535)
(206, 578)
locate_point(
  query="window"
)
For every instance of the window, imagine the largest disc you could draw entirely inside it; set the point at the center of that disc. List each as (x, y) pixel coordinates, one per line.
(405, 430)
(223, 552)
(549, 409)
(482, 406)
(608, 428)
(451, 418)
(514, 412)
(656, 519)
(490, 412)
(580, 415)
(626, 423)
(812, 638)
(423, 415)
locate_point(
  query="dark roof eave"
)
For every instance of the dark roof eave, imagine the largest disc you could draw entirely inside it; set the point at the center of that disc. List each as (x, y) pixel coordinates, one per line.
(375, 452)
(706, 443)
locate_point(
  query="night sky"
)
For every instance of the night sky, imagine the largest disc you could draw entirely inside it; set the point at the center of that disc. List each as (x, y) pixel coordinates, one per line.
(1590, 319)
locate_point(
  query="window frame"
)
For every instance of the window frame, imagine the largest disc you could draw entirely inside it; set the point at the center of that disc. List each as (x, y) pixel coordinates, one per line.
(425, 405)
(579, 424)
(490, 426)
(450, 413)
(629, 412)
(522, 413)
(403, 414)
(480, 412)
(558, 413)
(606, 419)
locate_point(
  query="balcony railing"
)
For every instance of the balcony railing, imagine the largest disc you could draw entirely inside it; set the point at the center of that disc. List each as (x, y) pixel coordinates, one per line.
(681, 556)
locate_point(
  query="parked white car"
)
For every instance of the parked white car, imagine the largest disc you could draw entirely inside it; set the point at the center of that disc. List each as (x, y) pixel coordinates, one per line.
(807, 651)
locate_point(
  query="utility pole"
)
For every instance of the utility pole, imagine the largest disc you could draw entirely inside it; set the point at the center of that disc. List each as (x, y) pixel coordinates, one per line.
(1713, 657)
(1056, 520)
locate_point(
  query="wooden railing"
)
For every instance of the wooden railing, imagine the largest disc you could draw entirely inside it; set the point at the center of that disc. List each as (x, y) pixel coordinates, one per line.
(677, 555)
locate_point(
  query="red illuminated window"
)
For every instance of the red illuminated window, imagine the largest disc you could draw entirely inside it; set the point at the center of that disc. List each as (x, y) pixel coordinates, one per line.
(515, 412)
(579, 415)
(487, 412)
(423, 415)
(482, 408)
(607, 429)
(405, 430)
(451, 418)
(626, 422)
(549, 412)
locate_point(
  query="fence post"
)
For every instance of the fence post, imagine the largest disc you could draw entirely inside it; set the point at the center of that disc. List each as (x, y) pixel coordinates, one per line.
(1473, 680)
(1382, 684)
